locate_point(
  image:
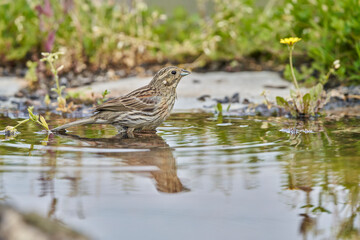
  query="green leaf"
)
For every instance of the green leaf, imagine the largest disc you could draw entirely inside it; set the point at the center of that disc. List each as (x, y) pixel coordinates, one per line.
(306, 103)
(44, 123)
(282, 102)
(320, 209)
(306, 98)
(293, 94)
(106, 92)
(228, 108)
(318, 89)
(307, 206)
(219, 108)
(31, 115)
(312, 94)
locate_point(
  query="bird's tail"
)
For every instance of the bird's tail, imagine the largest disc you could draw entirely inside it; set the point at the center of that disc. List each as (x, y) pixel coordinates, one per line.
(75, 123)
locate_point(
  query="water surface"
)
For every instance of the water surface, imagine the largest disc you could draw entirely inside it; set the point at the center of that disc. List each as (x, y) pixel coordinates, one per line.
(199, 177)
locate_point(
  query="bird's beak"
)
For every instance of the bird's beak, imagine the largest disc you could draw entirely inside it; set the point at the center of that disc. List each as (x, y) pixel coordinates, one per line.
(184, 72)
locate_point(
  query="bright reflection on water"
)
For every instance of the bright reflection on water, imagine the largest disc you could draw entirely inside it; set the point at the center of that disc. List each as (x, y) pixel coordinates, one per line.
(199, 178)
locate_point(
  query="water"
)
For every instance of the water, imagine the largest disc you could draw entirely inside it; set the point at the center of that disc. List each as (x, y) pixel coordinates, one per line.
(200, 177)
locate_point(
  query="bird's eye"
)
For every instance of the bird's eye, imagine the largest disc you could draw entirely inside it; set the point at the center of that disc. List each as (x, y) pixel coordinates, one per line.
(173, 72)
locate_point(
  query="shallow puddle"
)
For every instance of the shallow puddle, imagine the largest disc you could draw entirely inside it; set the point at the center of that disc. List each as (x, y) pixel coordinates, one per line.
(199, 177)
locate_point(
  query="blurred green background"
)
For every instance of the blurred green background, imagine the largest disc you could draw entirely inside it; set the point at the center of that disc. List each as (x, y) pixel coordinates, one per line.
(230, 34)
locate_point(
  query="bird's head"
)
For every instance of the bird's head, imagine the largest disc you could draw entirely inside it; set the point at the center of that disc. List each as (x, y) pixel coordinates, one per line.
(168, 77)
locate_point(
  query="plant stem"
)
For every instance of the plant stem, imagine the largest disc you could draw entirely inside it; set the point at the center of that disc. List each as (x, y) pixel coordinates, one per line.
(54, 71)
(292, 68)
(325, 80)
(22, 122)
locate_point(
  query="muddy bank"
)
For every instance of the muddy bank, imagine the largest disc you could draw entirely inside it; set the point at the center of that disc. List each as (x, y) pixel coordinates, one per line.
(197, 92)
(198, 89)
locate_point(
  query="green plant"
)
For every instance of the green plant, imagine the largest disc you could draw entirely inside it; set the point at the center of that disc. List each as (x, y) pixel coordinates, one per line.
(12, 130)
(19, 31)
(98, 36)
(38, 119)
(266, 100)
(50, 58)
(103, 99)
(219, 109)
(331, 31)
(302, 105)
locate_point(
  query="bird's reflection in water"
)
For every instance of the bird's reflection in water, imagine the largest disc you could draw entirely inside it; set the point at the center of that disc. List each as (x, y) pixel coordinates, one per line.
(159, 155)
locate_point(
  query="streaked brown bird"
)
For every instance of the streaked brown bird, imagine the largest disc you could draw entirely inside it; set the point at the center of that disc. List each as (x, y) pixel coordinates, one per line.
(143, 109)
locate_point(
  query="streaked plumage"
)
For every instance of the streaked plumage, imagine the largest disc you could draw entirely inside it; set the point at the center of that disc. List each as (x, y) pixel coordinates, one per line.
(143, 109)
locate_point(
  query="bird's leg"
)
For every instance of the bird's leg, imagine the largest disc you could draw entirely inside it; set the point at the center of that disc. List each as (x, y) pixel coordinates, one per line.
(120, 128)
(130, 132)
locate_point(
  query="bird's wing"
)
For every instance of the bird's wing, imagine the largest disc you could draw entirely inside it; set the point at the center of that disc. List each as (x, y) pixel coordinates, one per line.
(143, 99)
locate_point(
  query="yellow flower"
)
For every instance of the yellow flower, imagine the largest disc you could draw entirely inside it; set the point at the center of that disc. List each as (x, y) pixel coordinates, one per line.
(290, 41)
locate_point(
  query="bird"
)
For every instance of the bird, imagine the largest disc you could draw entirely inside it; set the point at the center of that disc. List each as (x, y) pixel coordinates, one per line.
(143, 109)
